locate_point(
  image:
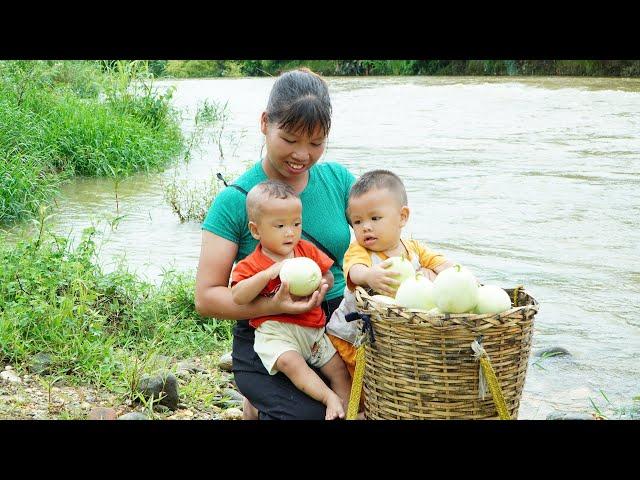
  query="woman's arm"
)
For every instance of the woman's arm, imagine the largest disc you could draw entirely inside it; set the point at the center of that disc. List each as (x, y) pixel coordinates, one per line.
(213, 296)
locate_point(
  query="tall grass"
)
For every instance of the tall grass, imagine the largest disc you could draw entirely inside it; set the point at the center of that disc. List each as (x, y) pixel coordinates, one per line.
(56, 299)
(59, 119)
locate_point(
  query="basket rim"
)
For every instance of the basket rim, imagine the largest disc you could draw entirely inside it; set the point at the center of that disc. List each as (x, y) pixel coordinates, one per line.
(361, 294)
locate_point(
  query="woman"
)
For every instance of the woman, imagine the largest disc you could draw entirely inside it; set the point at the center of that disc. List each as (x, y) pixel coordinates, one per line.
(295, 124)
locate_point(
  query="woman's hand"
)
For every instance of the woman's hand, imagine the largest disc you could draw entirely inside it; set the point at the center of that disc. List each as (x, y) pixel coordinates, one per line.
(285, 302)
(381, 279)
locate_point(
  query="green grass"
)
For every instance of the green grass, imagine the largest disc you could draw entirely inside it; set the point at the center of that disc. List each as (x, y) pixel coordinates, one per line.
(61, 119)
(102, 329)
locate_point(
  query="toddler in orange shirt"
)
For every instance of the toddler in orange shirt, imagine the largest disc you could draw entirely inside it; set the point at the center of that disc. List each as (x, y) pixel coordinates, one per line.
(288, 343)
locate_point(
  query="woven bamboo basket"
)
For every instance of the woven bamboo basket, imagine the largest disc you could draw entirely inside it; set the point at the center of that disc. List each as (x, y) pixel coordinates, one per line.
(423, 367)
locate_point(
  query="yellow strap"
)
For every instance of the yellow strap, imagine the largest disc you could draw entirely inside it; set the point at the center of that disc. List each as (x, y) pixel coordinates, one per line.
(356, 385)
(494, 387)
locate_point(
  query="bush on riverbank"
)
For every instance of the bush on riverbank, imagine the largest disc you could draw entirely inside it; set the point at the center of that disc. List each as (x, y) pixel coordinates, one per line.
(61, 119)
(258, 68)
(56, 299)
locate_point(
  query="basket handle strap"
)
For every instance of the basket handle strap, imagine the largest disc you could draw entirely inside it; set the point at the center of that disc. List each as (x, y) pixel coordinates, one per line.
(358, 374)
(356, 385)
(488, 375)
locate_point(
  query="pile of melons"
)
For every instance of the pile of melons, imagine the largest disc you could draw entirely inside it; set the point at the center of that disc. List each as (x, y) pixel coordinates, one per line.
(454, 290)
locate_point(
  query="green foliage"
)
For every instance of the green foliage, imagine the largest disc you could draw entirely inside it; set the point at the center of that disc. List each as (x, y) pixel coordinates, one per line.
(214, 68)
(78, 117)
(203, 68)
(55, 298)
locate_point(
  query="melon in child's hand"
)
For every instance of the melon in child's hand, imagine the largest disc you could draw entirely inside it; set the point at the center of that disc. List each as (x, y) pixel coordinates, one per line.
(416, 292)
(403, 266)
(302, 274)
(455, 290)
(492, 299)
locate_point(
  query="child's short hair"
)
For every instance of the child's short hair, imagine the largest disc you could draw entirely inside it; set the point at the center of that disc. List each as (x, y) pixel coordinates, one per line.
(263, 191)
(379, 179)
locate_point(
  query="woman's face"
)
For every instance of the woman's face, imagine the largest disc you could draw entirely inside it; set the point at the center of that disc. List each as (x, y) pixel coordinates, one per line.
(290, 155)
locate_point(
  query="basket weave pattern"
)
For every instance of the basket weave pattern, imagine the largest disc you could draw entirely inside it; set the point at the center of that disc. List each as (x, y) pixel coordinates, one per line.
(422, 366)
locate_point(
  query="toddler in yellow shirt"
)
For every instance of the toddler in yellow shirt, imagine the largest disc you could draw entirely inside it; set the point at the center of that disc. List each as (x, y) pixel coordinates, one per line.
(377, 210)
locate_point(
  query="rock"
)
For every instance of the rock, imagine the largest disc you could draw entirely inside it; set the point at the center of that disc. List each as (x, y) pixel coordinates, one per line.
(190, 367)
(183, 375)
(8, 376)
(41, 363)
(133, 416)
(569, 416)
(163, 386)
(231, 414)
(225, 362)
(102, 413)
(8, 367)
(553, 352)
(235, 396)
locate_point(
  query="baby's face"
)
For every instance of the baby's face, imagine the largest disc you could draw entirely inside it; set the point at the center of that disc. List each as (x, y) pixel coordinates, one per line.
(377, 219)
(280, 225)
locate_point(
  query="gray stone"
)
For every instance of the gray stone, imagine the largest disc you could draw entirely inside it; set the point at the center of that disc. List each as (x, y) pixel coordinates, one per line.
(9, 376)
(163, 386)
(235, 396)
(133, 416)
(569, 416)
(553, 352)
(190, 367)
(41, 363)
(225, 362)
(183, 375)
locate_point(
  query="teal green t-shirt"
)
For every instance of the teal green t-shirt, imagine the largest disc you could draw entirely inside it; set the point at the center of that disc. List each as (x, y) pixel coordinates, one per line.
(324, 204)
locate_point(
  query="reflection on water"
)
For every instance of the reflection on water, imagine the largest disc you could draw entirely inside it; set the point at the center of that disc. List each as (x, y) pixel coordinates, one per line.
(529, 181)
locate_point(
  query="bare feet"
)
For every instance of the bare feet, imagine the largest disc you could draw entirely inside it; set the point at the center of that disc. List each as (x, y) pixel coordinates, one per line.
(335, 409)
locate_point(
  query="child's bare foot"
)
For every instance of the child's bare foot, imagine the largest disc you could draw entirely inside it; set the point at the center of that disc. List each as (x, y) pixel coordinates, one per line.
(334, 407)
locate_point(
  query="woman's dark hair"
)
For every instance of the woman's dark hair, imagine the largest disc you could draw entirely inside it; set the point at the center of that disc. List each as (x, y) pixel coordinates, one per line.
(299, 102)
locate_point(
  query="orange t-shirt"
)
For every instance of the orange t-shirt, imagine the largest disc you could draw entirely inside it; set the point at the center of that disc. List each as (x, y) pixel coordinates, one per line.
(258, 261)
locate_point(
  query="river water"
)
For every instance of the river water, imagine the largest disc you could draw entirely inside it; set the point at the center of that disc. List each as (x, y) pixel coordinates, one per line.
(532, 181)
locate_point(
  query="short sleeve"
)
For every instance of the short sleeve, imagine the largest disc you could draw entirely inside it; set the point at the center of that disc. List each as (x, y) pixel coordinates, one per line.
(355, 254)
(427, 258)
(244, 269)
(223, 217)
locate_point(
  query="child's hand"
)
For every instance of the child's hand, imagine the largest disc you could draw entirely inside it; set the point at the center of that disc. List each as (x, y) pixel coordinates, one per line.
(429, 274)
(381, 279)
(274, 270)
